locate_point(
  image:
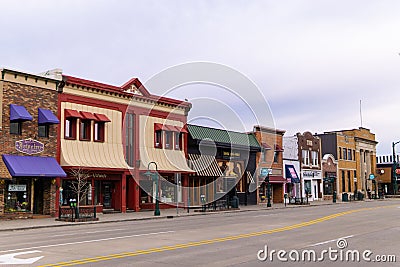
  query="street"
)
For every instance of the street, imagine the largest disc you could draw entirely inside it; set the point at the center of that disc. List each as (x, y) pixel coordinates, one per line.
(219, 239)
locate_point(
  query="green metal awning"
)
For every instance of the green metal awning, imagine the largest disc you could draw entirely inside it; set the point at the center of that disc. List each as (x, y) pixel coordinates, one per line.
(223, 136)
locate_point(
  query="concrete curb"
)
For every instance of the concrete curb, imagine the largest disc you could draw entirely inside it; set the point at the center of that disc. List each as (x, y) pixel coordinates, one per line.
(256, 208)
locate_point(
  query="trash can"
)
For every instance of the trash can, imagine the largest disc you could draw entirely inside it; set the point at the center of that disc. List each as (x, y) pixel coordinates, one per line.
(235, 202)
(345, 197)
(360, 196)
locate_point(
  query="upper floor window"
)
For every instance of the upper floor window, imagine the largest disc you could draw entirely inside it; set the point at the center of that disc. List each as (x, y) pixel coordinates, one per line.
(340, 153)
(71, 120)
(350, 154)
(70, 128)
(158, 139)
(43, 130)
(314, 156)
(18, 114)
(99, 131)
(344, 153)
(168, 140)
(84, 130)
(276, 156)
(45, 119)
(178, 140)
(16, 127)
(305, 157)
(129, 139)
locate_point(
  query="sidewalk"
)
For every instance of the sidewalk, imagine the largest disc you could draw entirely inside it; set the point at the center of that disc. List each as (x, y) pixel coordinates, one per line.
(23, 224)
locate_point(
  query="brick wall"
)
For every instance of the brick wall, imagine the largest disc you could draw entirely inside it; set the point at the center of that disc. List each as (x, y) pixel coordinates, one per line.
(31, 97)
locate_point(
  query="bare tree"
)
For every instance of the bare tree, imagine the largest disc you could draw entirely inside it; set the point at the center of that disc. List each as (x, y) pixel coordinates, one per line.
(80, 186)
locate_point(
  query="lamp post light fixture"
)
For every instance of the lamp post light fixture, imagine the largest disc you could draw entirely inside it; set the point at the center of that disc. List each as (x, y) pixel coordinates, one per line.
(394, 168)
(155, 179)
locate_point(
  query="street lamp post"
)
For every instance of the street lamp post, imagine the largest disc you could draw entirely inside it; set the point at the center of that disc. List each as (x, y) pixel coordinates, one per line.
(268, 190)
(394, 168)
(154, 177)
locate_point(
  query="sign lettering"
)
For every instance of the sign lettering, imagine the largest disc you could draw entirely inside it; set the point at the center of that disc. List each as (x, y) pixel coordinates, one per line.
(17, 187)
(29, 146)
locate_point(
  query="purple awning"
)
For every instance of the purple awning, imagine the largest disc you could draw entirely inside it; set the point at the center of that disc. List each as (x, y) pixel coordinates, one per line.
(19, 113)
(33, 166)
(47, 117)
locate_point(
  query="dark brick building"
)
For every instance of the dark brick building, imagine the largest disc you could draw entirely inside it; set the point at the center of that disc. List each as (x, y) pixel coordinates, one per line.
(28, 144)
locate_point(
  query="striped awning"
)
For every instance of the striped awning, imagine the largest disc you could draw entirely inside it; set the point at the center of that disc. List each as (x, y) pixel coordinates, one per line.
(204, 165)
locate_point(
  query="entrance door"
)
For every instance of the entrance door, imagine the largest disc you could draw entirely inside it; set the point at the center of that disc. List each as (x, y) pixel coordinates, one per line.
(38, 189)
(107, 195)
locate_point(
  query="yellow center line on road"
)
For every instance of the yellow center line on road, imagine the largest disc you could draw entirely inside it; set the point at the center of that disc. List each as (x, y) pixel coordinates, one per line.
(209, 241)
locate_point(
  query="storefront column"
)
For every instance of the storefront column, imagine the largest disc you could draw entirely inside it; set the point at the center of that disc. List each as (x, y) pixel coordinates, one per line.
(185, 191)
(136, 192)
(57, 200)
(123, 193)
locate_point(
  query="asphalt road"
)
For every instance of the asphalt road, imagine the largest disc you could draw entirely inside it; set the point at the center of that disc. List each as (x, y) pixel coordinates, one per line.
(370, 230)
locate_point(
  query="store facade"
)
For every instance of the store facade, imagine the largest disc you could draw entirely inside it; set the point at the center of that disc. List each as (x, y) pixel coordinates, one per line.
(270, 160)
(225, 165)
(28, 137)
(111, 134)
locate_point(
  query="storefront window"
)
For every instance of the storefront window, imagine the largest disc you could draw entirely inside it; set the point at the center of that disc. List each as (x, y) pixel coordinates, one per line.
(17, 196)
(168, 190)
(307, 187)
(328, 188)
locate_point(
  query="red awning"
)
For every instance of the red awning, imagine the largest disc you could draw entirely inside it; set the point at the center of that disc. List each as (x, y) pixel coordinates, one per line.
(278, 148)
(277, 180)
(101, 117)
(87, 115)
(164, 127)
(266, 146)
(70, 113)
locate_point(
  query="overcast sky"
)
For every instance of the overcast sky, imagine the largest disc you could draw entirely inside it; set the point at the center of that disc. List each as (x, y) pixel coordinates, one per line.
(313, 60)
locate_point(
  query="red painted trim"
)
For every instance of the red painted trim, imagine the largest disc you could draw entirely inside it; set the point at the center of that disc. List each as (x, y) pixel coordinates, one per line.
(120, 90)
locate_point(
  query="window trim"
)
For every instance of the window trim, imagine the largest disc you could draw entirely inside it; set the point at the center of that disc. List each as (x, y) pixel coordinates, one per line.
(178, 140)
(305, 156)
(73, 125)
(158, 133)
(88, 129)
(19, 127)
(100, 131)
(169, 140)
(46, 131)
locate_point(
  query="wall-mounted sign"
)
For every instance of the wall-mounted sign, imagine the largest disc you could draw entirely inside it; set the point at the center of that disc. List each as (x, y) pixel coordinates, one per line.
(230, 154)
(29, 146)
(99, 175)
(16, 187)
(265, 171)
(312, 174)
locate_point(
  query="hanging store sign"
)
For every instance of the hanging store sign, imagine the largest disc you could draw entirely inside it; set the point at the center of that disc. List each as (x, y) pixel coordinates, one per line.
(29, 146)
(17, 188)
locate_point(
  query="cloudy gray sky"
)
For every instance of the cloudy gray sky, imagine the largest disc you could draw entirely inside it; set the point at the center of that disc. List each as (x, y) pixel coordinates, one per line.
(313, 60)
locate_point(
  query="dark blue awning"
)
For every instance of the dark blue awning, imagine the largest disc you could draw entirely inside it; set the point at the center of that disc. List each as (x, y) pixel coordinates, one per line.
(19, 113)
(33, 166)
(47, 117)
(292, 174)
